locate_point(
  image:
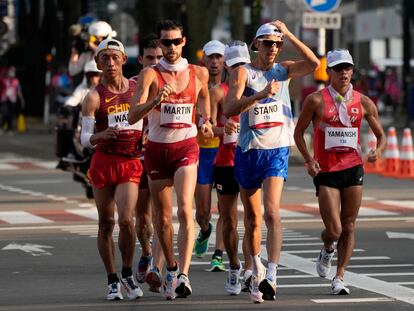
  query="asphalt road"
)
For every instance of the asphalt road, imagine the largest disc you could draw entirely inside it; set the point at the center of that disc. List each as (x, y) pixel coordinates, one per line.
(49, 259)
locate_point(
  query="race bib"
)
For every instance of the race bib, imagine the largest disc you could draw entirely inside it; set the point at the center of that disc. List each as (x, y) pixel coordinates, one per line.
(265, 115)
(341, 139)
(120, 120)
(231, 139)
(176, 115)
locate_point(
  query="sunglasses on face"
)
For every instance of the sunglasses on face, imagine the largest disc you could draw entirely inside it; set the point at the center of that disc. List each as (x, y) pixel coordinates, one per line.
(169, 42)
(270, 43)
(341, 67)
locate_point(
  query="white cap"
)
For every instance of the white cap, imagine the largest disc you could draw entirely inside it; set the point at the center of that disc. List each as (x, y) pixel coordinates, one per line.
(214, 47)
(266, 30)
(91, 67)
(339, 56)
(110, 44)
(236, 52)
(101, 29)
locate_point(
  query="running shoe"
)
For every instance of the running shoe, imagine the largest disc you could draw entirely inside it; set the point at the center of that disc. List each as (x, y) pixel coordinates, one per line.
(114, 292)
(170, 284)
(154, 280)
(247, 278)
(338, 287)
(201, 244)
(233, 286)
(184, 288)
(217, 264)
(133, 290)
(144, 266)
(255, 294)
(323, 263)
(268, 288)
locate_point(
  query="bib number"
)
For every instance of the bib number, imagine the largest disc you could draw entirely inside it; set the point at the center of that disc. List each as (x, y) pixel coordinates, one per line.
(120, 120)
(176, 115)
(266, 115)
(341, 139)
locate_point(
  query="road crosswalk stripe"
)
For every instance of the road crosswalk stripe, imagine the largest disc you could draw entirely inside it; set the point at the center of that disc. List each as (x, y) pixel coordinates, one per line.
(22, 217)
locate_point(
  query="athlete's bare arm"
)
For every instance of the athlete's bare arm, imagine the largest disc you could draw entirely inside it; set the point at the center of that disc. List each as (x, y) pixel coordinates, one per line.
(302, 67)
(371, 115)
(145, 97)
(216, 102)
(235, 102)
(311, 111)
(90, 106)
(203, 100)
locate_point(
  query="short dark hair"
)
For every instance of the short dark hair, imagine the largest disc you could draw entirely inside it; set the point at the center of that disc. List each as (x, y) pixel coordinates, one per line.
(169, 24)
(148, 42)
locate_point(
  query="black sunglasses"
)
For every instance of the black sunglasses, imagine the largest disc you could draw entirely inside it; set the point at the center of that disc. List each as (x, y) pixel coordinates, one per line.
(270, 43)
(343, 66)
(169, 42)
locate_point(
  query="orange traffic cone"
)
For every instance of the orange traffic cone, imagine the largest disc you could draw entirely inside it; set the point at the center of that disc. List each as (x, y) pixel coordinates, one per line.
(372, 167)
(392, 155)
(407, 155)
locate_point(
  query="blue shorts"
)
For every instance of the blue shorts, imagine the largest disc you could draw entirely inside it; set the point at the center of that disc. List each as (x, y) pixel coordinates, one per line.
(205, 174)
(254, 166)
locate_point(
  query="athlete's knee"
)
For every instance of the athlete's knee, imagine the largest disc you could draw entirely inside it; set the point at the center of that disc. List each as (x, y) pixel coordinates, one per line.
(334, 232)
(230, 225)
(125, 223)
(348, 228)
(272, 216)
(106, 226)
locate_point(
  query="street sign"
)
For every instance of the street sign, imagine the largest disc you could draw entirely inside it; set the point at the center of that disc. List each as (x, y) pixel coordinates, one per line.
(322, 6)
(321, 20)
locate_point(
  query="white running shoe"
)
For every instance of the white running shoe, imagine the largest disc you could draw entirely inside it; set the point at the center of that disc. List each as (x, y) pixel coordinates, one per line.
(133, 290)
(183, 288)
(268, 288)
(247, 277)
(170, 284)
(114, 292)
(255, 294)
(233, 286)
(323, 263)
(338, 287)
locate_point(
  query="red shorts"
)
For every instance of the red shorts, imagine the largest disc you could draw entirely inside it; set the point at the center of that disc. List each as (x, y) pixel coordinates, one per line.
(143, 183)
(110, 170)
(163, 160)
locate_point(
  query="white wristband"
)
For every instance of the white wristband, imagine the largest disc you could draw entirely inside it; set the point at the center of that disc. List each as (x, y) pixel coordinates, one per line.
(88, 128)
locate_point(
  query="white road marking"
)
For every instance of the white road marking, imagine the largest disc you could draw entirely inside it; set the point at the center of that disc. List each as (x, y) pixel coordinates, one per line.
(353, 279)
(389, 274)
(352, 300)
(400, 203)
(22, 217)
(363, 211)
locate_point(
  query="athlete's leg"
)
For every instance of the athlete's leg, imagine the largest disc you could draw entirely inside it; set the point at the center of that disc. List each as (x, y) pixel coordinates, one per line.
(203, 205)
(126, 196)
(329, 200)
(350, 202)
(251, 199)
(161, 194)
(229, 216)
(272, 193)
(143, 223)
(105, 203)
(184, 183)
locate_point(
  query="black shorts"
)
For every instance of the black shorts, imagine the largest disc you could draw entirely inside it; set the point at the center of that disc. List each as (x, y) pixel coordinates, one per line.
(143, 183)
(225, 181)
(353, 176)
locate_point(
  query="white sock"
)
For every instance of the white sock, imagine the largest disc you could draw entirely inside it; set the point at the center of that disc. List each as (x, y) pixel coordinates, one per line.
(271, 271)
(257, 264)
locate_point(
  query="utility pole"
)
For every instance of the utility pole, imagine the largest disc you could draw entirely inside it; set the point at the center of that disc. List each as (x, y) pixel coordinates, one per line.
(407, 107)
